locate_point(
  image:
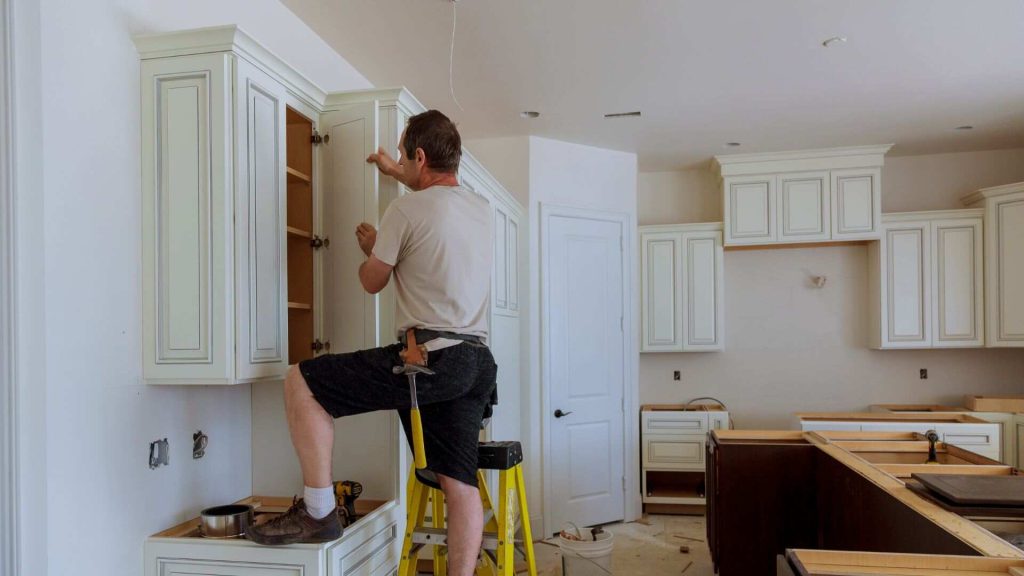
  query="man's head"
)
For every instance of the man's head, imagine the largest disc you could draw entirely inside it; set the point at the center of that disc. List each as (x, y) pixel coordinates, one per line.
(430, 146)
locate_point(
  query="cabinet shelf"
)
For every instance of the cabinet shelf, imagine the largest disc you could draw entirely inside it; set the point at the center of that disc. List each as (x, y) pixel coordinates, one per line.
(299, 306)
(299, 232)
(296, 176)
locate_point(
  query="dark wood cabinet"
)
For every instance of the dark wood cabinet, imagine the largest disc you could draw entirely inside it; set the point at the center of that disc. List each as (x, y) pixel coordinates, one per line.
(761, 501)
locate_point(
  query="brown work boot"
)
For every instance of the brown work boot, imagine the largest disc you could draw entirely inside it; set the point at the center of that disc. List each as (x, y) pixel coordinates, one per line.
(296, 526)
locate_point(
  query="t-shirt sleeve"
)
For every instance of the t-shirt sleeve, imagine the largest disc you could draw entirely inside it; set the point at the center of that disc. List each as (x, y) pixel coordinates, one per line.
(394, 230)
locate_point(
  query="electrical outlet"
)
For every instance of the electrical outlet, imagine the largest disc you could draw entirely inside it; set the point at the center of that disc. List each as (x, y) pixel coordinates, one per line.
(676, 375)
(159, 454)
(924, 373)
(199, 441)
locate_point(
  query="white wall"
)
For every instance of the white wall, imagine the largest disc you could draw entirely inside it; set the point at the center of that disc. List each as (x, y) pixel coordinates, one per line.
(791, 347)
(87, 418)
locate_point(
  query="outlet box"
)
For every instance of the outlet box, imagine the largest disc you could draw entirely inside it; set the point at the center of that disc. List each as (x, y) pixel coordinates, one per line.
(924, 373)
(676, 375)
(159, 454)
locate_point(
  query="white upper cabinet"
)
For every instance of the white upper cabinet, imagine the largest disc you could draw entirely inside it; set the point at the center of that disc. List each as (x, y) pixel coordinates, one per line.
(857, 203)
(805, 196)
(1004, 262)
(682, 288)
(803, 207)
(926, 281)
(213, 189)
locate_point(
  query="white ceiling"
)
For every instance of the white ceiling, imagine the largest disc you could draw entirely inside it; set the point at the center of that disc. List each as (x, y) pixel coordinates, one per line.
(704, 72)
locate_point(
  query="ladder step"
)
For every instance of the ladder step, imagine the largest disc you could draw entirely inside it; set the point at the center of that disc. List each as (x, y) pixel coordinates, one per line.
(439, 537)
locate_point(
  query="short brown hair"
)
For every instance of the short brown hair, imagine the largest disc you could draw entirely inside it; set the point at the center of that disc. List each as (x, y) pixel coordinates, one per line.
(437, 136)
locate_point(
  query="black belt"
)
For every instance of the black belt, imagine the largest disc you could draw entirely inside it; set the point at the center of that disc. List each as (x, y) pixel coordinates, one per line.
(424, 335)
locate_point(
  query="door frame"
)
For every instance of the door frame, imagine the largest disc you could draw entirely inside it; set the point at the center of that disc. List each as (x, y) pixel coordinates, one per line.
(630, 387)
(9, 523)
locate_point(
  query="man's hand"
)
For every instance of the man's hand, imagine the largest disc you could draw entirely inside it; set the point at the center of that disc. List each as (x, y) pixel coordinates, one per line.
(367, 237)
(385, 163)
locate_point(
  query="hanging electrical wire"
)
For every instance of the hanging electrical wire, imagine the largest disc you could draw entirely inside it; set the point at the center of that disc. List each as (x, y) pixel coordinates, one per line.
(451, 58)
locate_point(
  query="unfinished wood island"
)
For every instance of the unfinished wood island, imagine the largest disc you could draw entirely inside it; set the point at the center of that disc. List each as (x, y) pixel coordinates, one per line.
(773, 491)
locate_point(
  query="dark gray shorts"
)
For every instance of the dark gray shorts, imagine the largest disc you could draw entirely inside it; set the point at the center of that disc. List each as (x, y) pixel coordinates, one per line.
(453, 401)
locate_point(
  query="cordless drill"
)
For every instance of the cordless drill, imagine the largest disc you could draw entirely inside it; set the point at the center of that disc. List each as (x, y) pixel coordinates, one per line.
(346, 492)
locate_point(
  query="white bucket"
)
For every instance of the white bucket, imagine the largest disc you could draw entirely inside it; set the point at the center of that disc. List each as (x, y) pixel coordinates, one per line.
(587, 557)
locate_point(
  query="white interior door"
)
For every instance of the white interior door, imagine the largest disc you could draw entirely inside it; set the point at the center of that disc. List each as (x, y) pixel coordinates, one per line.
(583, 366)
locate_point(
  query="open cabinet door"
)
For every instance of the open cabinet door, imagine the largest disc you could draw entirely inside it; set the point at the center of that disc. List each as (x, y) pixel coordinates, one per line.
(351, 319)
(349, 197)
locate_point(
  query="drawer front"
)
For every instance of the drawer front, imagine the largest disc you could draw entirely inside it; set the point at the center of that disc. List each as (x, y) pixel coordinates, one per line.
(675, 422)
(674, 452)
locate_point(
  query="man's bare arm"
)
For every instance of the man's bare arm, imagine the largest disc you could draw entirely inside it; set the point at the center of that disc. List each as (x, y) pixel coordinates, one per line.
(374, 274)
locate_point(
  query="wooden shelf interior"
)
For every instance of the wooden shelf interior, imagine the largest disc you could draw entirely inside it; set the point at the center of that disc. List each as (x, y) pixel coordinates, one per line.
(301, 329)
(675, 484)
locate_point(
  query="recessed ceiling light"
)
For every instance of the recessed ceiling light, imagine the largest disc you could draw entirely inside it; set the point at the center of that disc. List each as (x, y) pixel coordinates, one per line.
(732, 144)
(529, 114)
(965, 127)
(834, 40)
(634, 114)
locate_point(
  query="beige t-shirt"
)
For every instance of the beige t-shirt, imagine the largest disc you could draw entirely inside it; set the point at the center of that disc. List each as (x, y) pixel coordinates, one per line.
(440, 242)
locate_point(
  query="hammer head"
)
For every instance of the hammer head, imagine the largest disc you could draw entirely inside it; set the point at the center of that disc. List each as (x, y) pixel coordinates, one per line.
(409, 369)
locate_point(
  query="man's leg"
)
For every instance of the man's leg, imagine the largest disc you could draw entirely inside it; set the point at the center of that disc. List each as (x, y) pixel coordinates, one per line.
(311, 428)
(465, 525)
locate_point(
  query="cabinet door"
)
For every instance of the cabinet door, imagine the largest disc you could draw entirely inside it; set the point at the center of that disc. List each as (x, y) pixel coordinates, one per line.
(702, 291)
(348, 196)
(500, 286)
(749, 210)
(662, 299)
(1004, 253)
(512, 256)
(957, 301)
(261, 287)
(906, 288)
(804, 201)
(856, 203)
(186, 208)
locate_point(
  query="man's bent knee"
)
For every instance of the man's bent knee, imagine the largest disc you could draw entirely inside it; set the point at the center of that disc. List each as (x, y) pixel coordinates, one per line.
(450, 485)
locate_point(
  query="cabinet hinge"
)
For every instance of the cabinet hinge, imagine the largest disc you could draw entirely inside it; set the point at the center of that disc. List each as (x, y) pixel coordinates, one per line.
(622, 324)
(623, 404)
(622, 244)
(623, 483)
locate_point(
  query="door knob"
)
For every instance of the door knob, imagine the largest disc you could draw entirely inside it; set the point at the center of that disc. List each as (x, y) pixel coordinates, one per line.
(559, 413)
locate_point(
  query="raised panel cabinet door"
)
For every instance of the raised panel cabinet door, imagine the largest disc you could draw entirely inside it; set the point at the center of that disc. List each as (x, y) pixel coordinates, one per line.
(348, 197)
(261, 287)
(750, 210)
(662, 294)
(702, 289)
(1005, 254)
(907, 286)
(957, 297)
(804, 207)
(186, 215)
(512, 251)
(500, 288)
(856, 203)
(675, 452)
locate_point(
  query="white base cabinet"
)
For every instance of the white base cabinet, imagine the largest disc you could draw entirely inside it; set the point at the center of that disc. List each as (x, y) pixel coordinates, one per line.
(1004, 262)
(978, 437)
(672, 446)
(803, 196)
(926, 278)
(682, 288)
(370, 547)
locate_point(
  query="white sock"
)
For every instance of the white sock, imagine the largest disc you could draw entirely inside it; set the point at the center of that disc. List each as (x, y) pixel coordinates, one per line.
(319, 501)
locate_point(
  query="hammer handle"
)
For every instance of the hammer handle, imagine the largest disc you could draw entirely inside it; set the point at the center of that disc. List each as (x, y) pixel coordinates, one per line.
(419, 452)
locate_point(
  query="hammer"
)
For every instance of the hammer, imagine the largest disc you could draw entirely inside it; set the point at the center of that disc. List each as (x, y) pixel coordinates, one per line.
(415, 363)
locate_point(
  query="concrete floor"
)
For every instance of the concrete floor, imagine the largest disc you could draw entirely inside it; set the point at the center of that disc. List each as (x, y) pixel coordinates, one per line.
(647, 547)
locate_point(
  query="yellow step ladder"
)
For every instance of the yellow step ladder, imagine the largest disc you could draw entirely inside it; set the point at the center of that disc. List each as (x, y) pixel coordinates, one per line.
(499, 544)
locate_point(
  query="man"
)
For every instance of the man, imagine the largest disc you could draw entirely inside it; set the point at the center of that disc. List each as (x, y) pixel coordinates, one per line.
(436, 242)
